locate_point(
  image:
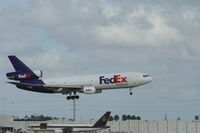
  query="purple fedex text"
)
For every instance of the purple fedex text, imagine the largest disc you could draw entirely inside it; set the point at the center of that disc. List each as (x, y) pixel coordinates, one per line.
(114, 79)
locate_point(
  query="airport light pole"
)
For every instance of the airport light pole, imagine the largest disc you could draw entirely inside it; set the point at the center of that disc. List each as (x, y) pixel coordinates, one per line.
(74, 110)
(4, 105)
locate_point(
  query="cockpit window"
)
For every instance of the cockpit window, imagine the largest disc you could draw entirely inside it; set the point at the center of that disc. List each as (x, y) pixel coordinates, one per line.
(145, 75)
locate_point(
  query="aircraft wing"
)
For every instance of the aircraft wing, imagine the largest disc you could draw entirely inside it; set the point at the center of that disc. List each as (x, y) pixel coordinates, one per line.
(63, 86)
(64, 89)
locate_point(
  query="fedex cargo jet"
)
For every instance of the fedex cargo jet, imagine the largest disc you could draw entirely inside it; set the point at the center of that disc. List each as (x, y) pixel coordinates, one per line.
(30, 80)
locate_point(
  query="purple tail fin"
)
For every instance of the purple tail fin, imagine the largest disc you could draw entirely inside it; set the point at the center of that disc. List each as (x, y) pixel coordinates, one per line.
(22, 72)
(19, 65)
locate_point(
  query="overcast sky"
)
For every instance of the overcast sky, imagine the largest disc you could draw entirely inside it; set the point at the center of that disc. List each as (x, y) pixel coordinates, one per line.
(78, 37)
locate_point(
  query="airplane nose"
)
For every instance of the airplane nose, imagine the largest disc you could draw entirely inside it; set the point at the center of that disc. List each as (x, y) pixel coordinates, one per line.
(149, 79)
(146, 78)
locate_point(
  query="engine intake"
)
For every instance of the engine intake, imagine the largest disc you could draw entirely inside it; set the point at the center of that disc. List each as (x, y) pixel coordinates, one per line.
(90, 90)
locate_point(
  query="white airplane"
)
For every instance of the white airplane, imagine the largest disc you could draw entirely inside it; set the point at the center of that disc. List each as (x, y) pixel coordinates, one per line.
(98, 125)
(30, 80)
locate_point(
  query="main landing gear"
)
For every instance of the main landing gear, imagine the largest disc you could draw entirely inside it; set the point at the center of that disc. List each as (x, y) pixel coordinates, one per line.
(130, 89)
(72, 97)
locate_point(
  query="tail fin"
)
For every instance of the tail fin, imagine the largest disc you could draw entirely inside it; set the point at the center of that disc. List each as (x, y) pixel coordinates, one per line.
(103, 120)
(18, 65)
(22, 72)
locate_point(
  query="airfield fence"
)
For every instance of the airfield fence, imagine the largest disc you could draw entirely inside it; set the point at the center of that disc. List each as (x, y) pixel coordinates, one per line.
(140, 126)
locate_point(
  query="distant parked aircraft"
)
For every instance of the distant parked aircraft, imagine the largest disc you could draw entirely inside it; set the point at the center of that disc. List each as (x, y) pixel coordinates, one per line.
(30, 80)
(99, 125)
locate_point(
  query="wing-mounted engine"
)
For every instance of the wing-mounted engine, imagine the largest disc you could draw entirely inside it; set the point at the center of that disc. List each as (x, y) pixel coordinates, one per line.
(24, 75)
(90, 90)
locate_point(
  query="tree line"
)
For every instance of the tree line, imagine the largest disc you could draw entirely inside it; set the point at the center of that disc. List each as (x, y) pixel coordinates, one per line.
(35, 118)
(124, 117)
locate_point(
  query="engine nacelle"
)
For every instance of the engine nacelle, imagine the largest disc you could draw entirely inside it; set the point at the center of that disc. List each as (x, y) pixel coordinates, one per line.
(90, 90)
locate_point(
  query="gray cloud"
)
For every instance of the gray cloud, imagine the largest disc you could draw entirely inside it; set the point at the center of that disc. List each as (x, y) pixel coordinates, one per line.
(82, 37)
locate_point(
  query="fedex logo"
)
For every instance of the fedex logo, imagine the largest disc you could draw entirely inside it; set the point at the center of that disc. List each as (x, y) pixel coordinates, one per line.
(114, 79)
(24, 76)
(88, 90)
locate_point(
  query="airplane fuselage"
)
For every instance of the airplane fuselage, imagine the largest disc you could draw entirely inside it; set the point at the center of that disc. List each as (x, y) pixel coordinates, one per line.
(104, 81)
(72, 127)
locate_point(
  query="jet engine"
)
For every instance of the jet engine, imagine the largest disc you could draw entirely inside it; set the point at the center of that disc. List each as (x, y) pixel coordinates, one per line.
(90, 90)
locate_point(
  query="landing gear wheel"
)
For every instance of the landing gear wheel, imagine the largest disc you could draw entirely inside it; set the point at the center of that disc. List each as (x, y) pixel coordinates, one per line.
(130, 89)
(77, 97)
(72, 97)
(68, 98)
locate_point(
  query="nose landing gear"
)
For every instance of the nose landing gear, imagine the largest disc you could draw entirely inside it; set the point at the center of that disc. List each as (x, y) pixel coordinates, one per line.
(130, 89)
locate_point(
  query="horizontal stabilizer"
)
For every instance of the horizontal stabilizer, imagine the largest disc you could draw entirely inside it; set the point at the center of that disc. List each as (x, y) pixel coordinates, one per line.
(23, 84)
